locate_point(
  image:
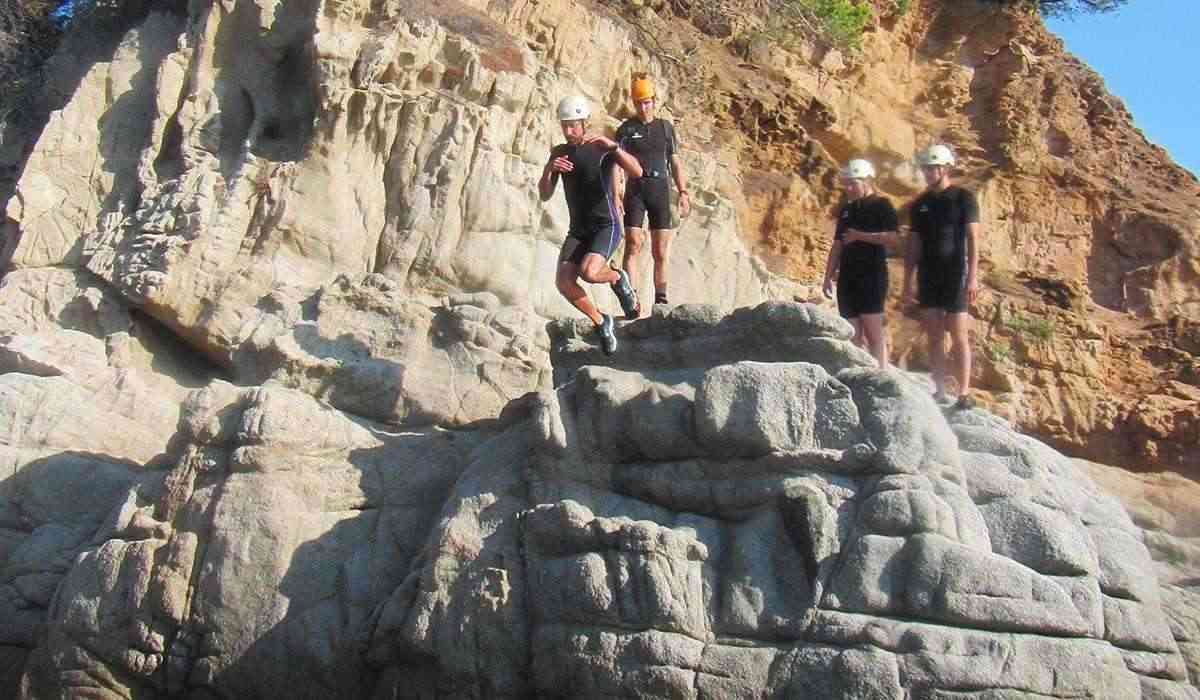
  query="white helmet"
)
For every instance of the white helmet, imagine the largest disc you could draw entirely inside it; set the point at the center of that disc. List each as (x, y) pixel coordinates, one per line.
(572, 108)
(858, 169)
(938, 154)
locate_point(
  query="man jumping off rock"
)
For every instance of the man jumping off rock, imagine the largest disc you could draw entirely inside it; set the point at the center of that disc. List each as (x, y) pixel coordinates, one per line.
(944, 251)
(585, 164)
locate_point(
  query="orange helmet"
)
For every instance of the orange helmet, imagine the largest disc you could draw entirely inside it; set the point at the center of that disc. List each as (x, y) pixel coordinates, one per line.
(642, 89)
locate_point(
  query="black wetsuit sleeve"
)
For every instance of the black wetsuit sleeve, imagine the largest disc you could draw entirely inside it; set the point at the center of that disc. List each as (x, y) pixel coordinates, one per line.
(843, 223)
(670, 129)
(970, 208)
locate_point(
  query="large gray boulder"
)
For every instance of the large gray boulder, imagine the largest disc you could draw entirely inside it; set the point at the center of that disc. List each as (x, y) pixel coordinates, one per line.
(785, 526)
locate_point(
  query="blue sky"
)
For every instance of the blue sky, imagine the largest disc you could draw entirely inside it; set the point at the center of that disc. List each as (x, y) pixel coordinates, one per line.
(1147, 54)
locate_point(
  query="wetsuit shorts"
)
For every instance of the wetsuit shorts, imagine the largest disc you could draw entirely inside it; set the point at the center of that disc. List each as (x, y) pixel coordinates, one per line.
(601, 237)
(648, 196)
(864, 294)
(946, 292)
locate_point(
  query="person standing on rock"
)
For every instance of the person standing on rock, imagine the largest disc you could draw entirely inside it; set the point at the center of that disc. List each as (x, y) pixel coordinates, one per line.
(943, 251)
(866, 227)
(586, 165)
(652, 141)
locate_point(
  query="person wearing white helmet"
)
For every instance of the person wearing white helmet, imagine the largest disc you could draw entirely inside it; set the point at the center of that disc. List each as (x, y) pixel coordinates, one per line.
(857, 263)
(586, 164)
(943, 252)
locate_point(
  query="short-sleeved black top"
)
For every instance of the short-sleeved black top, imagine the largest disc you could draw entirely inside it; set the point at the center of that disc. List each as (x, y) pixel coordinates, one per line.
(941, 219)
(870, 214)
(588, 187)
(652, 144)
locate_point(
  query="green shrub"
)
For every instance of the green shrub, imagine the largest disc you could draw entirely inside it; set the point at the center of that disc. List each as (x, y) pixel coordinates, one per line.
(1039, 329)
(998, 351)
(839, 23)
(843, 21)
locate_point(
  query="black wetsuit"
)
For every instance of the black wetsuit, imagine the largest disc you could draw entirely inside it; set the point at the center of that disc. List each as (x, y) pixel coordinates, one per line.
(941, 219)
(653, 145)
(588, 189)
(862, 272)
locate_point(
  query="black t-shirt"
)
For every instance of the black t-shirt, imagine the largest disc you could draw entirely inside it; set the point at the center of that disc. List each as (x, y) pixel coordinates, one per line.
(588, 186)
(870, 214)
(941, 219)
(652, 144)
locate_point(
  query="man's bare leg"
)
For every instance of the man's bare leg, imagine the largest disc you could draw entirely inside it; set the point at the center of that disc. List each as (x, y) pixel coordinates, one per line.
(934, 321)
(959, 325)
(595, 269)
(568, 285)
(660, 250)
(871, 326)
(635, 243)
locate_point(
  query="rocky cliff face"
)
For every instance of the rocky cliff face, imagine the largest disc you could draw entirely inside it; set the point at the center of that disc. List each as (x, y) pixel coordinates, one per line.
(286, 395)
(1089, 256)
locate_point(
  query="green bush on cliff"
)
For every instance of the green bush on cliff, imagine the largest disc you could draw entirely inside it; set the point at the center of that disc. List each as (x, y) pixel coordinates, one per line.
(838, 23)
(841, 21)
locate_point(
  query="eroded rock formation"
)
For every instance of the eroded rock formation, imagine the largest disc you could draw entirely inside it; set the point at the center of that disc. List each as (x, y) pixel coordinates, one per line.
(743, 508)
(287, 399)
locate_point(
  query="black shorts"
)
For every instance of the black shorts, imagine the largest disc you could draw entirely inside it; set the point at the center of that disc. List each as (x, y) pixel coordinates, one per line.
(648, 195)
(862, 293)
(600, 237)
(947, 292)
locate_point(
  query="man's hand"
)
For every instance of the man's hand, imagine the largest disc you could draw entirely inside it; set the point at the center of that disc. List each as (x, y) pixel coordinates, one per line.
(827, 289)
(972, 289)
(685, 203)
(562, 164)
(601, 140)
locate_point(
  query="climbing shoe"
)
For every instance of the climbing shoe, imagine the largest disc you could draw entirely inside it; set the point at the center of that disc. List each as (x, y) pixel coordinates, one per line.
(626, 294)
(607, 328)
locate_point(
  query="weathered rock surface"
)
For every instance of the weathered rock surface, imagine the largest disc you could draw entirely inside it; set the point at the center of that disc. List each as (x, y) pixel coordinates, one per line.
(347, 203)
(796, 523)
(264, 264)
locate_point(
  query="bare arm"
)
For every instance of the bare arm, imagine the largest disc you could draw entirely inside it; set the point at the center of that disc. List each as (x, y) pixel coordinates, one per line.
(685, 197)
(911, 256)
(887, 239)
(625, 159)
(549, 179)
(973, 233)
(628, 163)
(547, 183)
(618, 189)
(832, 265)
